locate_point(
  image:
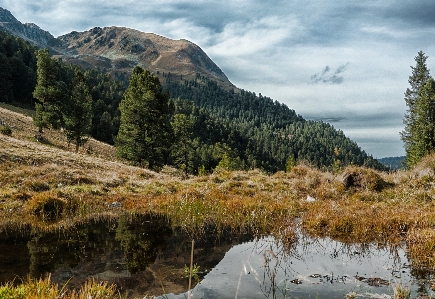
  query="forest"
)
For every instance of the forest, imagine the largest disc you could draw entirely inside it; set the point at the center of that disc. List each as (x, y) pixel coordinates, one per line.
(211, 127)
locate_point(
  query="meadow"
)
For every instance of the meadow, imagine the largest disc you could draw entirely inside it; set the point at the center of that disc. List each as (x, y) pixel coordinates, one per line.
(46, 186)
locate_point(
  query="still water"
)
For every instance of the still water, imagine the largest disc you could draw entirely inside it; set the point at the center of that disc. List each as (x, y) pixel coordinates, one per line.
(144, 255)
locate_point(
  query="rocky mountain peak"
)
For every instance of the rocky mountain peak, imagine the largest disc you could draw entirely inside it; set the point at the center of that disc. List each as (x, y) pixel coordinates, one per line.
(28, 31)
(6, 16)
(119, 50)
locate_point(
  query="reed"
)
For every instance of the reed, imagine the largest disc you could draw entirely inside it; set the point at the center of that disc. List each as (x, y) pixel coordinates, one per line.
(401, 292)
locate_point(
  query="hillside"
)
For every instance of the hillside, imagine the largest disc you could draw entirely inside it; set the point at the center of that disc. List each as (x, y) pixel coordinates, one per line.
(254, 131)
(24, 130)
(393, 162)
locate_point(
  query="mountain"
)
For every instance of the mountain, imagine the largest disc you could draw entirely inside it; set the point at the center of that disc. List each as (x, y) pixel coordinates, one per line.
(251, 130)
(395, 163)
(27, 31)
(117, 50)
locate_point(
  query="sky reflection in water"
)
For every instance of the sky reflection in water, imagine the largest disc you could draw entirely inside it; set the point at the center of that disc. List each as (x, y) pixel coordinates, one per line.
(145, 255)
(313, 267)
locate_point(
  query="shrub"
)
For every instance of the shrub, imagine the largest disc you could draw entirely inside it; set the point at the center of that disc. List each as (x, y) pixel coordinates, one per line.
(362, 178)
(46, 205)
(5, 130)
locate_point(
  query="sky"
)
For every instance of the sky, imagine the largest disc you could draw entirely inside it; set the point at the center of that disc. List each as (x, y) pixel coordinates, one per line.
(344, 62)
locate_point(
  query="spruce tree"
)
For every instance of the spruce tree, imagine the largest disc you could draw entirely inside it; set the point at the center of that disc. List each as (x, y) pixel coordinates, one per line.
(145, 130)
(410, 135)
(424, 125)
(182, 150)
(78, 112)
(49, 92)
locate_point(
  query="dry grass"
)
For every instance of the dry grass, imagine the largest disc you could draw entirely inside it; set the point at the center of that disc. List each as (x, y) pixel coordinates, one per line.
(45, 289)
(23, 129)
(46, 186)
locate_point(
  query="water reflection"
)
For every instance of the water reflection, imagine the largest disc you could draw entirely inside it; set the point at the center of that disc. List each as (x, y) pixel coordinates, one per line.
(265, 268)
(144, 255)
(142, 239)
(141, 254)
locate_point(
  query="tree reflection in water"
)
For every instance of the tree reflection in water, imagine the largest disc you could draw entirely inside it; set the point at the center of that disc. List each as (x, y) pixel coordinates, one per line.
(144, 255)
(142, 238)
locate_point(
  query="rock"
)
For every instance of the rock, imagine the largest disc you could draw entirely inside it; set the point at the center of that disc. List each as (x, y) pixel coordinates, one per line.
(296, 281)
(310, 199)
(115, 204)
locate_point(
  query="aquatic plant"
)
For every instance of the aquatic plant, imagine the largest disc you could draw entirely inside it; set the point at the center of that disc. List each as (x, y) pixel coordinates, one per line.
(401, 292)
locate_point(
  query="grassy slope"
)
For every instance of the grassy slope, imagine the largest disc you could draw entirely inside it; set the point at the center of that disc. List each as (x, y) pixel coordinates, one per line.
(23, 129)
(354, 205)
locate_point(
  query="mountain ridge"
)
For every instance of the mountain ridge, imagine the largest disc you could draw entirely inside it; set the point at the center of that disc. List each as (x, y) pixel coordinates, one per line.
(27, 31)
(118, 49)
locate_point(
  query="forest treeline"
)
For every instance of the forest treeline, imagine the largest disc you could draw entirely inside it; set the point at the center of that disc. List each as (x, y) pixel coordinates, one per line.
(210, 126)
(267, 133)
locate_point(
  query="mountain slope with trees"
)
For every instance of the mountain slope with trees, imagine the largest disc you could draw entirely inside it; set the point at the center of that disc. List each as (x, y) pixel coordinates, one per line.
(230, 128)
(265, 133)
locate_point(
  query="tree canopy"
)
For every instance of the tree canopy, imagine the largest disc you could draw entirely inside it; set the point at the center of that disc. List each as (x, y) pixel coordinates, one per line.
(418, 135)
(145, 131)
(78, 111)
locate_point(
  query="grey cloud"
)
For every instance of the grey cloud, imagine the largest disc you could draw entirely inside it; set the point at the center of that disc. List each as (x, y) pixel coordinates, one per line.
(417, 13)
(329, 76)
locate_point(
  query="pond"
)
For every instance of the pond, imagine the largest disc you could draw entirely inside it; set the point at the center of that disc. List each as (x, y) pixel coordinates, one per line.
(144, 255)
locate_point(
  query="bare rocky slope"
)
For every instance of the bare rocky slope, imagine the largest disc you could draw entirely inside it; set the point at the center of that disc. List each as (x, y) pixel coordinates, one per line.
(118, 50)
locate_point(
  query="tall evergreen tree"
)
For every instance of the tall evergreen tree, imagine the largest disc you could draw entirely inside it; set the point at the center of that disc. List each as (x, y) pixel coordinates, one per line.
(182, 150)
(77, 112)
(49, 91)
(424, 125)
(418, 79)
(5, 79)
(145, 130)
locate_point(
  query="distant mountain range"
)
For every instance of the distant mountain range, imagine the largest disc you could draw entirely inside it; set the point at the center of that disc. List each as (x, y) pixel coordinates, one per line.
(118, 50)
(393, 162)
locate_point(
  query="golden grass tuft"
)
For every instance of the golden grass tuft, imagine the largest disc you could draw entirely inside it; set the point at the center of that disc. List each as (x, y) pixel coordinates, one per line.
(46, 206)
(46, 289)
(361, 178)
(421, 247)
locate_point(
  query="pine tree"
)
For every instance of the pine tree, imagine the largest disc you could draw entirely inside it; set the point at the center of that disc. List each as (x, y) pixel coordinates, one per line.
(182, 149)
(78, 113)
(418, 79)
(424, 132)
(145, 131)
(49, 91)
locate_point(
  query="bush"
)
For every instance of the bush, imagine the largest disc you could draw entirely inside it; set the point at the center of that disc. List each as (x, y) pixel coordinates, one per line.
(46, 205)
(5, 130)
(362, 178)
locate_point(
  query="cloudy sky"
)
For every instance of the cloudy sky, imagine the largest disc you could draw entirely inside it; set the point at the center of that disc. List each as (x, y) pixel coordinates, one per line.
(344, 62)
